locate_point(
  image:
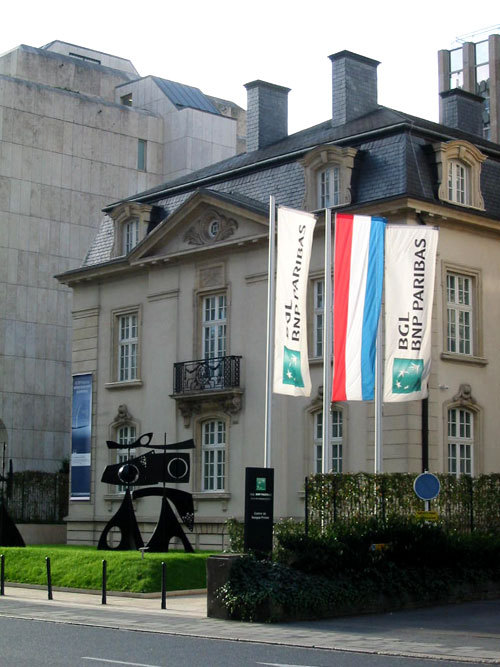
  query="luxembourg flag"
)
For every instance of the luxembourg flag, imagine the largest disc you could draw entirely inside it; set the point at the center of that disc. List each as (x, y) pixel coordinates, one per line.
(357, 297)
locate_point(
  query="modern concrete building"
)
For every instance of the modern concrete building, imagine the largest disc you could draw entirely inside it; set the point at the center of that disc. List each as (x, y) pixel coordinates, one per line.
(474, 67)
(78, 129)
(173, 332)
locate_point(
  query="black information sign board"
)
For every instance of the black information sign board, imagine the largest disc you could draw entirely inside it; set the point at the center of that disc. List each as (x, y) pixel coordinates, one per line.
(259, 503)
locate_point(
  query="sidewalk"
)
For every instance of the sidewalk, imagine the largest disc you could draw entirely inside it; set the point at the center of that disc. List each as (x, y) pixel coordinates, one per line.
(468, 632)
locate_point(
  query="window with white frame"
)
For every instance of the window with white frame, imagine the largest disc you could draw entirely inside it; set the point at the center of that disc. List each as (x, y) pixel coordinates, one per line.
(459, 300)
(125, 435)
(213, 455)
(328, 181)
(214, 326)
(458, 182)
(130, 235)
(460, 441)
(335, 445)
(459, 173)
(318, 301)
(128, 346)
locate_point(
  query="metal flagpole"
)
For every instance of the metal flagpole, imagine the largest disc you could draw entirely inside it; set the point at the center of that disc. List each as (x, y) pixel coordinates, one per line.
(270, 331)
(378, 398)
(327, 342)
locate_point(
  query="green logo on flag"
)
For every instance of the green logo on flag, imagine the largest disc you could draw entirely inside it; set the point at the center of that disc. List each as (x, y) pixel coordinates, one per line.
(260, 484)
(292, 373)
(407, 375)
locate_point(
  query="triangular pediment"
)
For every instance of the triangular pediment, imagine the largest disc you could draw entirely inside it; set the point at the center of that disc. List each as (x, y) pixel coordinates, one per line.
(207, 220)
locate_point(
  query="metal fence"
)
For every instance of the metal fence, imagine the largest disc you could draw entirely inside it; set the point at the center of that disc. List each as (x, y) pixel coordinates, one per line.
(205, 374)
(464, 503)
(38, 497)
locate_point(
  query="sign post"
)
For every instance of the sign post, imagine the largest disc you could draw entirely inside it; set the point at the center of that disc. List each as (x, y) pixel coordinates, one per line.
(259, 503)
(427, 487)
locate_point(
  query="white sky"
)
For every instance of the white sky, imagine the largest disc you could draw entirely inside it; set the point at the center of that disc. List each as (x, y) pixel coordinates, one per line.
(220, 45)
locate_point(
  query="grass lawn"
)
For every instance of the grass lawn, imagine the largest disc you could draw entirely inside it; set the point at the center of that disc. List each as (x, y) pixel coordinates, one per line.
(81, 567)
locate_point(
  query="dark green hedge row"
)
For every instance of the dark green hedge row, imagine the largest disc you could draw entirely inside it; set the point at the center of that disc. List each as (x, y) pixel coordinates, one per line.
(353, 547)
(464, 503)
(267, 591)
(339, 573)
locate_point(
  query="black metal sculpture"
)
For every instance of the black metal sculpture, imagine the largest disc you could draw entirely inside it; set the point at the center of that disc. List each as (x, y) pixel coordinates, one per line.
(9, 534)
(151, 468)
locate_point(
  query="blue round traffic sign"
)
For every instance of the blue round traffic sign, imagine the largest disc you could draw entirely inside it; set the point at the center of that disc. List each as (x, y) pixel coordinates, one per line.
(427, 486)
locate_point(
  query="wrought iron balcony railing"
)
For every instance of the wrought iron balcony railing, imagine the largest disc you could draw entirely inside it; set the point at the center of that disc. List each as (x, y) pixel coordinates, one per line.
(205, 374)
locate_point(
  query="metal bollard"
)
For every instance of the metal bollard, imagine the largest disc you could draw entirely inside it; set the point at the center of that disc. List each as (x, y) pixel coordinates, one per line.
(2, 575)
(163, 586)
(49, 578)
(104, 581)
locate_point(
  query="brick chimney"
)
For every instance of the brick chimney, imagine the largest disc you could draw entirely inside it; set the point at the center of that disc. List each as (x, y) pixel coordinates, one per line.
(267, 114)
(462, 110)
(354, 86)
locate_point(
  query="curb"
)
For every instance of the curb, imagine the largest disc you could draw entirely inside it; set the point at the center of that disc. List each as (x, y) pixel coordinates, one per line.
(124, 594)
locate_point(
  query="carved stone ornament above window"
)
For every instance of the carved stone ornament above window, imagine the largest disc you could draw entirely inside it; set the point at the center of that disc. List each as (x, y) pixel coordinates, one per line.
(464, 396)
(320, 159)
(461, 154)
(123, 417)
(211, 227)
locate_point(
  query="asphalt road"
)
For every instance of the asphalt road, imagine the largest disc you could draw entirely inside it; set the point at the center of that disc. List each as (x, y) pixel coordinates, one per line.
(455, 634)
(26, 643)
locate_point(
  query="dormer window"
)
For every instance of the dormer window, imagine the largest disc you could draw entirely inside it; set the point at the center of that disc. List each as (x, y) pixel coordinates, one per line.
(130, 235)
(459, 173)
(131, 223)
(328, 172)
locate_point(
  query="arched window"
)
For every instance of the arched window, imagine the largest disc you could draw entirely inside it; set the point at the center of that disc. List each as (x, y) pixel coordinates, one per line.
(328, 183)
(123, 430)
(335, 463)
(460, 441)
(130, 235)
(328, 172)
(459, 173)
(213, 455)
(125, 435)
(458, 182)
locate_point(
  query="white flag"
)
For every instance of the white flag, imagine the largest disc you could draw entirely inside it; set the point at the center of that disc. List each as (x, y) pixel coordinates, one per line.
(291, 360)
(410, 262)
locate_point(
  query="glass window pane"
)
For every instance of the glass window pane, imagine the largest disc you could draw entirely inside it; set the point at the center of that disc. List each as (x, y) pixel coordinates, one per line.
(213, 455)
(141, 155)
(482, 73)
(456, 59)
(482, 52)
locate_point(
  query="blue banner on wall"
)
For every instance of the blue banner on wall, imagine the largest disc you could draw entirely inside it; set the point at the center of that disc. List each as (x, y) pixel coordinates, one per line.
(81, 431)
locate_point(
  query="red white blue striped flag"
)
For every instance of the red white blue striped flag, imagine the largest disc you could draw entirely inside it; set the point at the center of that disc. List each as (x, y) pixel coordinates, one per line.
(357, 297)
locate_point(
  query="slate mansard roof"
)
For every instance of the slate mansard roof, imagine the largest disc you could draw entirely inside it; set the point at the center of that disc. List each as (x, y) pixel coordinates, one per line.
(184, 96)
(395, 159)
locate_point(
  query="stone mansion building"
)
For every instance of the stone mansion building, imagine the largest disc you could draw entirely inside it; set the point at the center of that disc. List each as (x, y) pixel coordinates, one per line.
(171, 325)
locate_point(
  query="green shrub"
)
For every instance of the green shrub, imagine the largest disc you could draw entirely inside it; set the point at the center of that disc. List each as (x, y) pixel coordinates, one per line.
(465, 504)
(235, 532)
(409, 544)
(260, 590)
